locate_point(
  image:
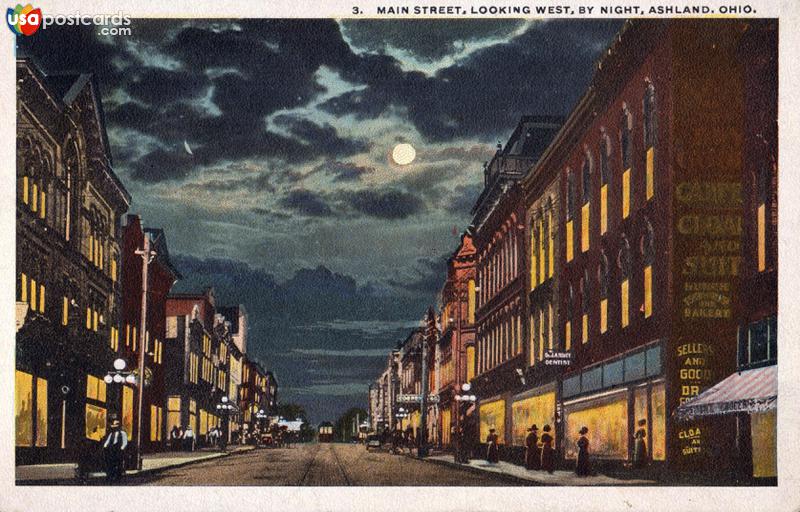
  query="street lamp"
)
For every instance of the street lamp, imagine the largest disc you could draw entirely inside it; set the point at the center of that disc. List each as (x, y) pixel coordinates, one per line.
(119, 375)
(225, 408)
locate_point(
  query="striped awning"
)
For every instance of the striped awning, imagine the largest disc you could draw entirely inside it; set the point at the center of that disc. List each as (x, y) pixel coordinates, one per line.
(748, 391)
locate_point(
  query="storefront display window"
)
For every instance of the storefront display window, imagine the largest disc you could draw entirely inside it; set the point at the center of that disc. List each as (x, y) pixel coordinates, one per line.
(127, 410)
(95, 422)
(764, 433)
(493, 415)
(538, 409)
(658, 437)
(23, 393)
(607, 421)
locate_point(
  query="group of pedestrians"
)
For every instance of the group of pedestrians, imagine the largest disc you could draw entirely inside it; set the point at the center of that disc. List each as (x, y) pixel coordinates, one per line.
(182, 439)
(536, 456)
(402, 439)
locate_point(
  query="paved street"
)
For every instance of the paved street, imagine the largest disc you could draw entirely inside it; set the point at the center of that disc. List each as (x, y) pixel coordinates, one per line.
(318, 465)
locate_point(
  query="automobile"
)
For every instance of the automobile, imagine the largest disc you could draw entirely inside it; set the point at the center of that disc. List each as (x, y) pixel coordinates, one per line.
(373, 442)
(266, 439)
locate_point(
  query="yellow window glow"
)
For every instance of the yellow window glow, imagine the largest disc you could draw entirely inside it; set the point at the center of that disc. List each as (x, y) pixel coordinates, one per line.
(626, 193)
(534, 266)
(94, 320)
(585, 228)
(41, 412)
(570, 233)
(114, 270)
(41, 298)
(23, 401)
(65, 312)
(603, 315)
(33, 294)
(25, 189)
(43, 203)
(603, 209)
(648, 291)
(568, 335)
(762, 237)
(649, 173)
(127, 335)
(541, 251)
(34, 197)
(550, 244)
(585, 329)
(541, 335)
(88, 318)
(623, 293)
(550, 326)
(471, 301)
(23, 290)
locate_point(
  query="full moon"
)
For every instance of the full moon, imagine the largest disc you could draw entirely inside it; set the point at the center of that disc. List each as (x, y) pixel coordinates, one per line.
(403, 154)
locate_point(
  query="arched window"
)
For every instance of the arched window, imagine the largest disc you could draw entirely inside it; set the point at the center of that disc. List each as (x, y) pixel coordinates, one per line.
(585, 298)
(586, 191)
(542, 238)
(605, 174)
(649, 122)
(603, 282)
(626, 127)
(569, 315)
(570, 214)
(624, 262)
(550, 233)
(648, 256)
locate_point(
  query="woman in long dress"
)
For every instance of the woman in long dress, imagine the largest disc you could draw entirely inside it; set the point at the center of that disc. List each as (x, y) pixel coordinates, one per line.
(492, 450)
(548, 460)
(582, 467)
(640, 445)
(532, 453)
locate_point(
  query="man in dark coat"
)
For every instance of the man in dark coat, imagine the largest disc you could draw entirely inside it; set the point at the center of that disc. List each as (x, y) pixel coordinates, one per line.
(492, 451)
(114, 445)
(548, 455)
(532, 453)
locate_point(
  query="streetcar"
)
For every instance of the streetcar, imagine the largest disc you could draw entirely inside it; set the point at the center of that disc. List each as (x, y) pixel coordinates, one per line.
(325, 432)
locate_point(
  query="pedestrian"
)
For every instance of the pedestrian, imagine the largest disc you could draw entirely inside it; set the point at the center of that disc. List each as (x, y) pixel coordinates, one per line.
(640, 445)
(114, 446)
(533, 454)
(455, 439)
(548, 459)
(174, 438)
(189, 439)
(582, 467)
(492, 449)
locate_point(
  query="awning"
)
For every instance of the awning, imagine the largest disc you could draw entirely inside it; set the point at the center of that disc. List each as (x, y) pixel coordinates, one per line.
(748, 391)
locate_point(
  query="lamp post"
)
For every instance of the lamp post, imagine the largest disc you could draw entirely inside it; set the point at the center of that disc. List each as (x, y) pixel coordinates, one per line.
(147, 256)
(465, 398)
(225, 408)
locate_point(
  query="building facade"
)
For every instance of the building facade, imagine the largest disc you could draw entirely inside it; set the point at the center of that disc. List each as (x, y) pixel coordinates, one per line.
(161, 277)
(69, 207)
(501, 311)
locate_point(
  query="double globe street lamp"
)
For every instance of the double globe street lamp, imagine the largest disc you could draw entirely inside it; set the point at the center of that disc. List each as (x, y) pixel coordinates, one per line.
(225, 408)
(465, 398)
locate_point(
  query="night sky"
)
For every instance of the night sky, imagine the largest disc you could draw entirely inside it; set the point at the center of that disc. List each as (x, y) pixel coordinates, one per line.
(263, 148)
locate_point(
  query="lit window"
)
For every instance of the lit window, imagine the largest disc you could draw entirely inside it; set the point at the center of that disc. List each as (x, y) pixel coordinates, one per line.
(586, 184)
(65, 312)
(624, 263)
(603, 281)
(570, 229)
(605, 172)
(626, 162)
(649, 139)
(648, 253)
(23, 288)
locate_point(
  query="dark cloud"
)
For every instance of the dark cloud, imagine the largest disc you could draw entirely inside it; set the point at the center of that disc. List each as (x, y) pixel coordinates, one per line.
(384, 204)
(307, 203)
(323, 138)
(463, 198)
(427, 276)
(343, 171)
(425, 39)
(156, 85)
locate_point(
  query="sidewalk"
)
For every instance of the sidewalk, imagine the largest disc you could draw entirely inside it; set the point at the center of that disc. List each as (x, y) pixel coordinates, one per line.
(519, 473)
(53, 474)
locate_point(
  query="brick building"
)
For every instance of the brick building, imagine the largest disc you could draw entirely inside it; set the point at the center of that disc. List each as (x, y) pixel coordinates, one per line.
(69, 206)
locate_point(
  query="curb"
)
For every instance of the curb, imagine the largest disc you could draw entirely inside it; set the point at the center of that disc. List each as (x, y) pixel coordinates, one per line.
(504, 476)
(130, 474)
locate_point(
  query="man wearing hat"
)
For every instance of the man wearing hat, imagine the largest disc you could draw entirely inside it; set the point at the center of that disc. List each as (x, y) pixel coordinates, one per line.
(532, 453)
(114, 447)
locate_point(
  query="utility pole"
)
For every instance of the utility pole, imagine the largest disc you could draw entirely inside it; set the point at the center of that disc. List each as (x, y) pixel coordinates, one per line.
(147, 256)
(422, 450)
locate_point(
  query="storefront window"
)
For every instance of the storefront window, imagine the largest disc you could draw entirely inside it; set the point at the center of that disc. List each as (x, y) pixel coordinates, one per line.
(41, 412)
(658, 436)
(537, 409)
(127, 410)
(607, 421)
(23, 393)
(493, 415)
(95, 422)
(764, 433)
